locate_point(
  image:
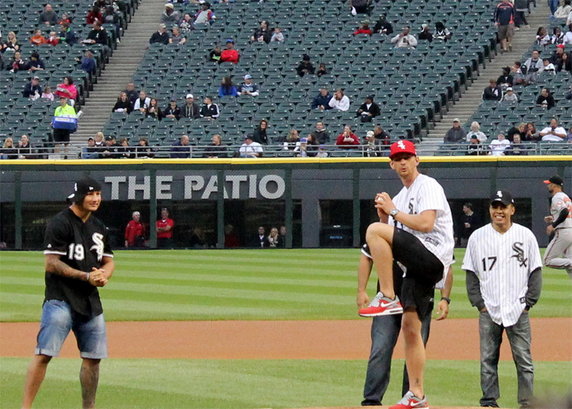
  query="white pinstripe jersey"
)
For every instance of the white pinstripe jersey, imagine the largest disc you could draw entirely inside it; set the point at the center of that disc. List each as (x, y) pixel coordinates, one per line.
(558, 202)
(503, 263)
(427, 194)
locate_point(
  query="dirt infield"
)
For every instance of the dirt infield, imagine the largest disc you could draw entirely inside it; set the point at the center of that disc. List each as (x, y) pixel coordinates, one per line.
(451, 339)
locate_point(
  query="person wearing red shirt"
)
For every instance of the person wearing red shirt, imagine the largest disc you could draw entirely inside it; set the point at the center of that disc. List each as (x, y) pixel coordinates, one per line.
(347, 139)
(229, 54)
(165, 227)
(135, 232)
(364, 29)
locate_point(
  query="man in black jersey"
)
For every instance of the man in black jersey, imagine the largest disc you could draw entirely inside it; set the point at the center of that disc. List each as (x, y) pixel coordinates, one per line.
(78, 259)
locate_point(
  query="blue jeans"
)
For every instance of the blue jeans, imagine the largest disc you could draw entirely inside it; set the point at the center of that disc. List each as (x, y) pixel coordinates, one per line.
(384, 333)
(553, 4)
(490, 341)
(57, 321)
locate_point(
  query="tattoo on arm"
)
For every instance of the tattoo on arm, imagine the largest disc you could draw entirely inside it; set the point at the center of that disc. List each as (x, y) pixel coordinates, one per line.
(56, 266)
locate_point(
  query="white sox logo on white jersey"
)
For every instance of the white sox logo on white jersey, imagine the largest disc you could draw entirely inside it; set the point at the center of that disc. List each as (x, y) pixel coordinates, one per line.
(98, 246)
(519, 253)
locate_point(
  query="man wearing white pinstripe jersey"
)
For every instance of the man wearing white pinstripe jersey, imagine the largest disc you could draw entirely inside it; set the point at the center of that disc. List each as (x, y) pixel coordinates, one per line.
(503, 267)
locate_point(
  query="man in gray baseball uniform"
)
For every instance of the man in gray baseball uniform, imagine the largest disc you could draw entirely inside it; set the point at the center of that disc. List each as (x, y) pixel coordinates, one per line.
(503, 267)
(559, 251)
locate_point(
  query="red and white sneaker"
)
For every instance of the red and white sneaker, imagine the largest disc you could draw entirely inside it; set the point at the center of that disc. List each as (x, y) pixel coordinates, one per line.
(381, 306)
(410, 401)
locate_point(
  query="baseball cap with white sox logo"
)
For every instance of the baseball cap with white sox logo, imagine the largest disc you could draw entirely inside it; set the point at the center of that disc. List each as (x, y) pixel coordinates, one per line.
(503, 197)
(82, 187)
(402, 147)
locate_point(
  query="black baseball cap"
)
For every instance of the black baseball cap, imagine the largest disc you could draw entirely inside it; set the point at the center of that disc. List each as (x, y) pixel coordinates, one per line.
(82, 187)
(503, 197)
(557, 180)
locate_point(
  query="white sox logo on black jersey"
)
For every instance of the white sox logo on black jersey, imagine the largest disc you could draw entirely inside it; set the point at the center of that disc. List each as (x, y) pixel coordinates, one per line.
(98, 246)
(519, 253)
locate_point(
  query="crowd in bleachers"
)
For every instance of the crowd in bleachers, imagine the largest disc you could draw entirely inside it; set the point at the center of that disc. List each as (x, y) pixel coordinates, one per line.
(184, 86)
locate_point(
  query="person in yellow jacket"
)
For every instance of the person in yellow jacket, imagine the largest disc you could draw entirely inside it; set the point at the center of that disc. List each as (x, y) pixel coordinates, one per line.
(64, 122)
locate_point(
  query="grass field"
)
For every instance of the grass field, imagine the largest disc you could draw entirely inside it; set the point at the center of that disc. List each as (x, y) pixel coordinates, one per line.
(252, 285)
(234, 284)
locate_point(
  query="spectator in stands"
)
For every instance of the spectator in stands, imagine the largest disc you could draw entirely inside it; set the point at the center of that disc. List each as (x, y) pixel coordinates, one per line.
(99, 141)
(176, 37)
(320, 135)
(250, 149)
(520, 8)
(493, 92)
(54, 38)
(122, 104)
(216, 149)
(112, 17)
(305, 66)
(547, 67)
(161, 36)
(131, 92)
(360, 6)
(141, 103)
(170, 15)
(38, 38)
(557, 36)
(561, 59)
(545, 99)
(516, 148)
(88, 63)
(17, 63)
(153, 110)
(33, 89)
(9, 151)
(322, 100)
(62, 131)
(506, 79)
(499, 145)
(554, 132)
(48, 16)
(94, 15)
(568, 35)
(563, 10)
(382, 26)
(274, 239)
(381, 136)
(262, 34)
(90, 151)
(475, 147)
(173, 110)
(143, 150)
(11, 44)
(532, 65)
(347, 139)
(227, 88)
(530, 134)
(509, 97)
(372, 146)
(67, 89)
(209, 110)
(542, 37)
(292, 141)
(322, 70)
(340, 101)
(111, 149)
(135, 231)
(476, 132)
(204, 16)
(504, 19)
(48, 94)
(516, 130)
(259, 135)
(215, 54)
(66, 35)
(442, 32)
(65, 18)
(186, 23)
(191, 108)
(25, 148)
(98, 35)
(35, 63)
(182, 148)
(518, 76)
(230, 54)
(364, 29)
(456, 134)
(368, 110)
(248, 87)
(425, 33)
(277, 36)
(404, 39)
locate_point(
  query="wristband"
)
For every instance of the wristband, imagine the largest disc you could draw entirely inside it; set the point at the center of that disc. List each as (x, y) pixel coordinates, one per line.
(446, 299)
(87, 277)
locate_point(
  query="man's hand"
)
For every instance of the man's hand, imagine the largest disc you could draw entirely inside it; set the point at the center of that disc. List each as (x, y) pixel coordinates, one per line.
(362, 300)
(383, 202)
(98, 277)
(549, 229)
(442, 310)
(548, 219)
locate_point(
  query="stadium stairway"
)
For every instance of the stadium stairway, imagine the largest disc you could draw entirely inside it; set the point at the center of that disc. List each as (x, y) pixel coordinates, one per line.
(119, 71)
(471, 98)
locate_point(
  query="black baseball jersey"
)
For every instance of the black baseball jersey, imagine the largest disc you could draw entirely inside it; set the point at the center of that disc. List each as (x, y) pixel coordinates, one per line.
(81, 246)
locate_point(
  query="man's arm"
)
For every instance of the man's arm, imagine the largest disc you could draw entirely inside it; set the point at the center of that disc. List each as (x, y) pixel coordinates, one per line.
(364, 271)
(559, 134)
(534, 286)
(474, 291)
(96, 277)
(423, 222)
(443, 304)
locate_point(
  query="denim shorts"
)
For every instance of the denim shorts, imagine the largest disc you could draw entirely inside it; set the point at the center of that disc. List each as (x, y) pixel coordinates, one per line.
(57, 321)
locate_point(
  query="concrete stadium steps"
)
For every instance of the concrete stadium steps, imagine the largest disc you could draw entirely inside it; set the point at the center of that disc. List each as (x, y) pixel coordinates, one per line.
(119, 71)
(469, 101)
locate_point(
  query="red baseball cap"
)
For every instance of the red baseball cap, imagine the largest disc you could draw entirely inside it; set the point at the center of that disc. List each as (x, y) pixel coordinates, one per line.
(402, 147)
